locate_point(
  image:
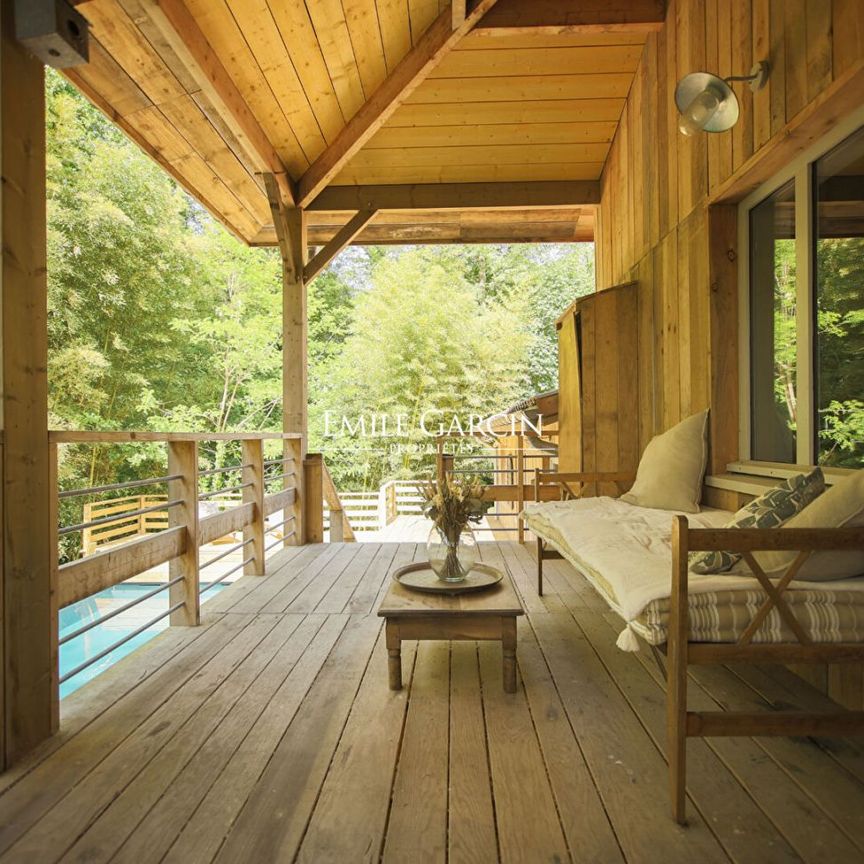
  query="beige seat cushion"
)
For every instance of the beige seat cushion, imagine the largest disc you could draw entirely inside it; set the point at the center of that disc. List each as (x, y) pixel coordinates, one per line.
(672, 468)
(840, 506)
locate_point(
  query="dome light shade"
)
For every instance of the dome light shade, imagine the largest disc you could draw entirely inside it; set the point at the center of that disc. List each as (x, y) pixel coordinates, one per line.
(706, 103)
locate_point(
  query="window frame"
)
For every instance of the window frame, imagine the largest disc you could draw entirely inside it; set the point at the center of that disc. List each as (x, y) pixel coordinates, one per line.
(800, 170)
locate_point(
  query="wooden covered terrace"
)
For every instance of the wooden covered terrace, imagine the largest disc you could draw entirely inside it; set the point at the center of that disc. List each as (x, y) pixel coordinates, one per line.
(260, 726)
(268, 733)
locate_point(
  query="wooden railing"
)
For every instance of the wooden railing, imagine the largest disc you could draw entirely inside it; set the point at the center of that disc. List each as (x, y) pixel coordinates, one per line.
(512, 469)
(339, 524)
(261, 488)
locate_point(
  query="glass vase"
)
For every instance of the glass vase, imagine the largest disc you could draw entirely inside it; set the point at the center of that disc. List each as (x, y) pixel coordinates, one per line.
(451, 557)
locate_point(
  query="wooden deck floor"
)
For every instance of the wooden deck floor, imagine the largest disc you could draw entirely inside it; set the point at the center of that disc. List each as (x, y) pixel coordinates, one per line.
(269, 735)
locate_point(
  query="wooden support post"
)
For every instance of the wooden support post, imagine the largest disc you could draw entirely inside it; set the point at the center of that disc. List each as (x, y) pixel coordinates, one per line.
(183, 460)
(313, 469)
(676, 672)
(294, 324)
(290, 224)
(253, 472)
(28, 608)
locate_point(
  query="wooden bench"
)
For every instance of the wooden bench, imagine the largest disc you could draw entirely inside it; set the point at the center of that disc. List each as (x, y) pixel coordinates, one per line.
(680, 652)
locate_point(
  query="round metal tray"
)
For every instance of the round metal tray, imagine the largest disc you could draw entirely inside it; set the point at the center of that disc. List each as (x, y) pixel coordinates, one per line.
(421, 577)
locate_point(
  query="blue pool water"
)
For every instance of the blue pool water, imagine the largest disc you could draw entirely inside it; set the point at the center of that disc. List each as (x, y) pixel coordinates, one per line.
(73, 617)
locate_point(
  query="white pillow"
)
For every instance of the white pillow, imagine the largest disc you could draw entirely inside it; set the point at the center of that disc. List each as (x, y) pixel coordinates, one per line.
(839, 506)
(672, 468)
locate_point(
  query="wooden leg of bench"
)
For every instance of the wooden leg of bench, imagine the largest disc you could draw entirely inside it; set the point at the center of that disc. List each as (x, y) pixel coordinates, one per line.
(676, 732)
(676, 673)
(539, 567)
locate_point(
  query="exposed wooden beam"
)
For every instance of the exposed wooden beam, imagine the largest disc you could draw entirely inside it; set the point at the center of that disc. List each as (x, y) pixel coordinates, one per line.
(180, 30)
(416, 233)
(552, 17)
(340, 240)
(277, 211)
(411, 71)
(449, 196)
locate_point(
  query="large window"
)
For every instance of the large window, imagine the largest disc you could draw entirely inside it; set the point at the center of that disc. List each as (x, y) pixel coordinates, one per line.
(773, 337)
(838, 183)
(806, 312)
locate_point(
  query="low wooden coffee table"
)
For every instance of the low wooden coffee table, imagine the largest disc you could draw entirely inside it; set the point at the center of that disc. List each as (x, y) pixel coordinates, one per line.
(487, 615)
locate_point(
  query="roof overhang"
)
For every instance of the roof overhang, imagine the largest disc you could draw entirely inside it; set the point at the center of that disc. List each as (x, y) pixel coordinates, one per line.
(484, 122)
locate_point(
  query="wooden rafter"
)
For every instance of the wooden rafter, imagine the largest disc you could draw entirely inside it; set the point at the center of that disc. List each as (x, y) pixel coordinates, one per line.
(340, 240)
(457, 196)
(414, 68)
(277, 210)
(552, 17)
(181, 31)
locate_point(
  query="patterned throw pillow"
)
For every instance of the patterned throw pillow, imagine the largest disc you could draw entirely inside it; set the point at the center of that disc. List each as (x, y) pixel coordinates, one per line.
(770, 510)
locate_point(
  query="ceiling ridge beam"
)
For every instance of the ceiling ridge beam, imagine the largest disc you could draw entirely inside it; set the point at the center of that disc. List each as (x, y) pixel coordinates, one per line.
(340, 240)
(180, 29)
(449, 196)
(553, 17)
(410, 72)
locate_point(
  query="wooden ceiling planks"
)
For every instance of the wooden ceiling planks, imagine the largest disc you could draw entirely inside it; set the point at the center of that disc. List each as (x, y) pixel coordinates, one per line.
(516, 106)
(511, 102)
(141, 94)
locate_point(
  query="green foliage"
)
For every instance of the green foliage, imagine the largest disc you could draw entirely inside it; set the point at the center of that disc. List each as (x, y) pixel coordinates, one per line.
(839, 345)
(464, 330)
(840, 350)
(159, 319)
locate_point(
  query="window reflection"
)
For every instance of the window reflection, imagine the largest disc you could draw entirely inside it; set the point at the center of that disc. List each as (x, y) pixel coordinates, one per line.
(839, 283)
(773, 338)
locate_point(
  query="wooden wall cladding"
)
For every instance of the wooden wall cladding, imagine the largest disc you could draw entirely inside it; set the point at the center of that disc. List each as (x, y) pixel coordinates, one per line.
(599, 383)
(658, 223)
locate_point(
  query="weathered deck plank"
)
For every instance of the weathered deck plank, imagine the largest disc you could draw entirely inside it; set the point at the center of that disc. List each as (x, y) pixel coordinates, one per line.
(269, 734)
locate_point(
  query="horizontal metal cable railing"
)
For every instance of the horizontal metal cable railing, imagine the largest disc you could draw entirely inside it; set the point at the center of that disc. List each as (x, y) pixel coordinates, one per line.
(172, 528)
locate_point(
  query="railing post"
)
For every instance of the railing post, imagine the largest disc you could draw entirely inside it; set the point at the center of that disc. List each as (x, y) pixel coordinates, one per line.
(253, 472)
(392, 504)
(183, 460)
(337, 526)
(293, 448)
(520, 480)
(54, 567)
(444, 464)
(313, 487)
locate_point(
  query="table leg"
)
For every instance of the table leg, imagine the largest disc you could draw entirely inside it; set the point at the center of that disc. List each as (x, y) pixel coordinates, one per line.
(508, 648)
(394, 655)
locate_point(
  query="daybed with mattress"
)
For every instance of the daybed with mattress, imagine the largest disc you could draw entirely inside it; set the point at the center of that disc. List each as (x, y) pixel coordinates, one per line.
(786, 594)
(625, 552)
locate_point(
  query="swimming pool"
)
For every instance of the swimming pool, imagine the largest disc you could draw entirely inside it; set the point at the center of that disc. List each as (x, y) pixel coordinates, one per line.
(102, 636)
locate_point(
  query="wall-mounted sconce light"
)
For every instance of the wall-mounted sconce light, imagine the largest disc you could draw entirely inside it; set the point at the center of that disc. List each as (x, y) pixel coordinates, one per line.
(708, 103)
